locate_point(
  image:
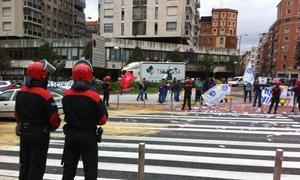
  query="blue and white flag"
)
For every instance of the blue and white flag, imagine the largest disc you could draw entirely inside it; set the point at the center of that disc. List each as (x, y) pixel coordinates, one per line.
(249, 74)
(215, 94)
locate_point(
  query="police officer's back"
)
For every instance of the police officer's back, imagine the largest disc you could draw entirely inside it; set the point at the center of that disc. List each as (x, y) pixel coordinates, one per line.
(83, 110)
(36, 114)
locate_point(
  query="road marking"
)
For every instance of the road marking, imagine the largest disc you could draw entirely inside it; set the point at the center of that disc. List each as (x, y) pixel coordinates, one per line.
(179, 171)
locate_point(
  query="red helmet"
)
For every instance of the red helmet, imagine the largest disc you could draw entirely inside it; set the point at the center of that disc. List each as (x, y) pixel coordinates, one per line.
(39, 70)
(106, 78)
(188, 81)
(278, 83)
(82, 71)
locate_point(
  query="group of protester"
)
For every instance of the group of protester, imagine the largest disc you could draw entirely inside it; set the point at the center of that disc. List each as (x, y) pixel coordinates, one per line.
(257, 89)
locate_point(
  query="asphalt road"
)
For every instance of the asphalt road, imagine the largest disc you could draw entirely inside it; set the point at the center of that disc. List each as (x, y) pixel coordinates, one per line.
(184, 147)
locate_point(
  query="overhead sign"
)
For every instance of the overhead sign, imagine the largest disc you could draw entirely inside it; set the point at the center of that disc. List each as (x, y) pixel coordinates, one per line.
(98, 46)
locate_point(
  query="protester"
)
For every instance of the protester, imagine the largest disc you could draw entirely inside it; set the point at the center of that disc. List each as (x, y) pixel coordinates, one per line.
(36, 115)
(84, 110)
(165, 90)
(187, 94)
(161, 87)
(276, 92)
(296, 95)
(248, 90)
(199, 88)
(145, 88)
(177, 90)
(209, 84)
(257, 91)
(141, 90)
(106, 90)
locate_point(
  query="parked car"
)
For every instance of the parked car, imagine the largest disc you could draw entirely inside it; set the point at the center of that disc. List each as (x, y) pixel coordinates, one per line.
(8, 100)
(4, 84)
(236, 81)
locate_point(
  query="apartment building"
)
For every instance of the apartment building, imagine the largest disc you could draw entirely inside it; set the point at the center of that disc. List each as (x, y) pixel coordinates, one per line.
(91, 27)
(42, 19)
(219, 30)
(284, 34)
(169, 21)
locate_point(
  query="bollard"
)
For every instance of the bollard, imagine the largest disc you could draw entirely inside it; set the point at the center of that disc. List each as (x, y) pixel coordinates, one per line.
(118, 100)
(141, 161)
(278, 164)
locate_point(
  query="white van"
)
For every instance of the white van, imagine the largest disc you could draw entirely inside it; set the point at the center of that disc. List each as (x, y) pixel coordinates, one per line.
(237, 81)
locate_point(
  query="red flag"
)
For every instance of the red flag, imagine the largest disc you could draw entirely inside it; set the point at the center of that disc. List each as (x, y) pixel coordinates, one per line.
(126, 80)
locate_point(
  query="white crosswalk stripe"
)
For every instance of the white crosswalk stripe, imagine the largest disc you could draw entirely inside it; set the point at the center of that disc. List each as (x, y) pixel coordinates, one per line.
(206, 146)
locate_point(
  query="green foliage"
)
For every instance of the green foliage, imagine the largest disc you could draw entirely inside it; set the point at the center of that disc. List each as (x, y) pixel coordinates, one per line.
(87, 52)
(175, 56)
(207, 65)
(4, 60)
(46, 52)
(137, 55)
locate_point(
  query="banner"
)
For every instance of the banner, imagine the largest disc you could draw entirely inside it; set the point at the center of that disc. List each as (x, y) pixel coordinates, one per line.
(126, 80)
(266, 95)
(215, 94)
(249, 74)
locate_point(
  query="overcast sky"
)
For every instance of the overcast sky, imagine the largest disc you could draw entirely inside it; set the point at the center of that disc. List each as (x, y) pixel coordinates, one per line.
(255, 16)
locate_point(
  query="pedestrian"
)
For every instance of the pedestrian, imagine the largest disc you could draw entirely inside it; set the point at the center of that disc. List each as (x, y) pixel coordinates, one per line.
(276, 92)
(248, 87)
(257, 93)
(36, 115)
(145, 88)
(199, 88)
(161, 87)
(208, 84)
(165, 90)
(187, 94)
(141, 90)
(84, 110)
(106, 90)
(296, 95)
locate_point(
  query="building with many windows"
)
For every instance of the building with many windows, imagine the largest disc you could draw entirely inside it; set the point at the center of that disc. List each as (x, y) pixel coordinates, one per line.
(283, 37)
(42, 19)
(169, 21)
(219, 30)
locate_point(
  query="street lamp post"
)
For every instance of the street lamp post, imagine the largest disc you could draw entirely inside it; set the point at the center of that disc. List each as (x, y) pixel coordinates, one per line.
(240, 42)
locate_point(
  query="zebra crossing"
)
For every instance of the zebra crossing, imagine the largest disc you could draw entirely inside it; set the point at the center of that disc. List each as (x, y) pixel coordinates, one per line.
(190, 146)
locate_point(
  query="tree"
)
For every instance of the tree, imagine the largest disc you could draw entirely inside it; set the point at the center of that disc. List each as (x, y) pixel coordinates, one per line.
(4, 60)
(137, 55)
(46, 52)
(207, 65)
(174, 56)
(297, 57)
(87, 52)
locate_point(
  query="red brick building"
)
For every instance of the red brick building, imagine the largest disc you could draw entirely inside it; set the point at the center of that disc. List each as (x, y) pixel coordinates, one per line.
(219, 30)
(284, 34)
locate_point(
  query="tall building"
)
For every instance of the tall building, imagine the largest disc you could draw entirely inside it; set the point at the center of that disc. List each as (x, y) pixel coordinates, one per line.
(42, 19)
(91, 27)
(219, 30)
(170, 21)
(284, 34)
(263, 58)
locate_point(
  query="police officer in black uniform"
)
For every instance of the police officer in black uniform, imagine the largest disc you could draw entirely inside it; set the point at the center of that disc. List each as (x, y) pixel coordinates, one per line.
(84, 110)
(36, 115)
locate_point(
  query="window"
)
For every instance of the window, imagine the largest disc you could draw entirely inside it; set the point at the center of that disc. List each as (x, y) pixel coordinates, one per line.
(123, 15)
(223, 15)
(298, 29)
(139, 13)
(286, 39)
(156, 13)
(122, 28)
(222, 31)
(6, 26)
(139, 28)
(221, 40)
(139, 2)
(6, 95)
(172, 11)
(171, 26)
(215, 15)
(156, 28)
(108, 13)
(156, 1)
(288, 11)
(287, 30)
(283, 66)
(109, 28)
(6, 11)
(108, 1)
(123, 2)
(223, 23)
(215, 23)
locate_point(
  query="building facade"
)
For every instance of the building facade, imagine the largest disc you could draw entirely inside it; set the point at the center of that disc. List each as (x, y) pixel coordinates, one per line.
(220, 29)
(91, 27)
(42, 19)
(284, 34)
(168, 21)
